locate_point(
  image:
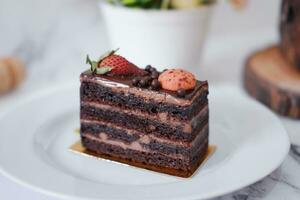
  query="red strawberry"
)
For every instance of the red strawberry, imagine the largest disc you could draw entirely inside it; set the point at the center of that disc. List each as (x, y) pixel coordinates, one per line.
(113, 65)
(119, 65)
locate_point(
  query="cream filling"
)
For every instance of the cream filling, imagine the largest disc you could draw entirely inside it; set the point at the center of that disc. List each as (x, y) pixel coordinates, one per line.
(136, 145)
(145, 94)
(147, 138)
(162, 116)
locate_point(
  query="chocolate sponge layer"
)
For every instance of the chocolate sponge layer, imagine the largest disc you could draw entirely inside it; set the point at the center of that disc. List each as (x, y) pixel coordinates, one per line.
(141, 124)
(94, 92)
(152, 161)
(123, 136)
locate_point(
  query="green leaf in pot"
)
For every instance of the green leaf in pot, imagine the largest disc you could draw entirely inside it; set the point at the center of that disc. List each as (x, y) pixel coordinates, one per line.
(182, 4)
(161, 4)
(145, 4)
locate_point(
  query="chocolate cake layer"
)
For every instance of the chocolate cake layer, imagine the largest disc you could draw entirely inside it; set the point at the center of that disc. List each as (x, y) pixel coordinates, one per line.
(145, 125)
(149, 160)
(152, 102)
(130, 135)
(145, 142)
(186, 125)
(164, 117)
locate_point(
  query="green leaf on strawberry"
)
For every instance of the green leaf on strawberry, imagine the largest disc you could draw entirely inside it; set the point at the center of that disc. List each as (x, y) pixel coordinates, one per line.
(103, 70)
(94, 64)
(113, 65)
(107, 54)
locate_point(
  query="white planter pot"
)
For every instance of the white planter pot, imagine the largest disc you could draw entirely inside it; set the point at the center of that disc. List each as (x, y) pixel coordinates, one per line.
(162, 38)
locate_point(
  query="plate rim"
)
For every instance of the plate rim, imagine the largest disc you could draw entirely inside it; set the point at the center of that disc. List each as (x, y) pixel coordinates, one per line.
(56, 88)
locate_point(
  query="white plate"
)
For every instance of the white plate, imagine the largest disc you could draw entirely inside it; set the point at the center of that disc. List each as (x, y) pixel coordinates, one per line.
(36, 135)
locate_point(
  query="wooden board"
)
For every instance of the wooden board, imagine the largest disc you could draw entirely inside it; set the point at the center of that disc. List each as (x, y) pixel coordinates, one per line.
(270, 79)
(290, 31)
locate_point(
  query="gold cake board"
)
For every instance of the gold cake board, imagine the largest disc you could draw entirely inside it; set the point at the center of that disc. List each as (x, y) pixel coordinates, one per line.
(78, 148)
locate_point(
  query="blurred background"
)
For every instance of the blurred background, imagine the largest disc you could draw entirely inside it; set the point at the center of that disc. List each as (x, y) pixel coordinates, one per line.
(53, 37)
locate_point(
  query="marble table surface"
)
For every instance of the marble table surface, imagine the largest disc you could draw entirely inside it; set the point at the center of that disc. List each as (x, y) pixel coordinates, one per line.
(54, 36)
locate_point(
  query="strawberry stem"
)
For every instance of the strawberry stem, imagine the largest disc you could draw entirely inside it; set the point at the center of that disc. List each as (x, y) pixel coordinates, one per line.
(93, 64)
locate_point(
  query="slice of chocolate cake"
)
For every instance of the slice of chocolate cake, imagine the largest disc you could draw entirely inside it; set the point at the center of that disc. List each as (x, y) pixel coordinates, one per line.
(158, 121)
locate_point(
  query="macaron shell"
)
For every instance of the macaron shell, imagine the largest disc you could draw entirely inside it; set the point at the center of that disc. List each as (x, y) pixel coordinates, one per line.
(175, 79)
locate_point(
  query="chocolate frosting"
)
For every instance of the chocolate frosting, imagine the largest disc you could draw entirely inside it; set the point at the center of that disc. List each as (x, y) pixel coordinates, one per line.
(126, 82)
